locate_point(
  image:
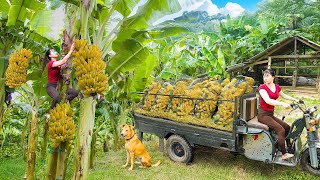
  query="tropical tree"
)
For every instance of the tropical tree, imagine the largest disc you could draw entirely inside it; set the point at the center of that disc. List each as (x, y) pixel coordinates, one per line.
(291, 13)
(16, 32)
(129, 48)
(18, 25)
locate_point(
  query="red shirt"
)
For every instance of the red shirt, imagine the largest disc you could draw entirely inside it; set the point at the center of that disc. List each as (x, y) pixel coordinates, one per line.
(53, 73)
(272, 95)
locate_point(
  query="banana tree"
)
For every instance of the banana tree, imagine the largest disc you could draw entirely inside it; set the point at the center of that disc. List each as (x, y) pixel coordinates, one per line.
(94, 17)
(35, 97)
(14, 20)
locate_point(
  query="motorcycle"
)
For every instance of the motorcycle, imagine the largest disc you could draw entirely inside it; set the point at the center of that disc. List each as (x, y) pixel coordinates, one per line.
(261, 145)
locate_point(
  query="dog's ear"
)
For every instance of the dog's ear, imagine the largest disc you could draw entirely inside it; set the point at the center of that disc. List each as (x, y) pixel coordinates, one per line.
(132, 127)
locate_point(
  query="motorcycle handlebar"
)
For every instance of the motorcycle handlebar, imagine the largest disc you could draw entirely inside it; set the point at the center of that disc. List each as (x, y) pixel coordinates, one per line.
(296, 105)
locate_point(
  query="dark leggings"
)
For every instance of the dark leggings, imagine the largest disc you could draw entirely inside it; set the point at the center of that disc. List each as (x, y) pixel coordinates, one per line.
(54, 94)
(280, 127)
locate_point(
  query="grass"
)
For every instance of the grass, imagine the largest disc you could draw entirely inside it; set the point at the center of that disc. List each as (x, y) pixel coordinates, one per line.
(11, 169)
(209, 163)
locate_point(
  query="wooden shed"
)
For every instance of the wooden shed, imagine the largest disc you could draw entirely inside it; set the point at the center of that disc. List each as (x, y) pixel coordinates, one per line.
(291, 58)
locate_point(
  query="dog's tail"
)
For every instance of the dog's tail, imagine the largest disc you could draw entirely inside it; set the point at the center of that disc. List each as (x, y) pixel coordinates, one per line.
(156, 164)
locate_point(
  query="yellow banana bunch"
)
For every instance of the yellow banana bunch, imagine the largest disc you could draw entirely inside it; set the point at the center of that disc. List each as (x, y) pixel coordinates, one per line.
(198, 101)
(210, 94)
(188, 104)
(149, 98)
(179, 90)
(89, 68)
(61, 125)
(162, 101)
(16, 73)
(236, 88)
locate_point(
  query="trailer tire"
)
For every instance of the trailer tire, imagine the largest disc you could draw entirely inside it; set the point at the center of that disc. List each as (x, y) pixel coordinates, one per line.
(179, 149)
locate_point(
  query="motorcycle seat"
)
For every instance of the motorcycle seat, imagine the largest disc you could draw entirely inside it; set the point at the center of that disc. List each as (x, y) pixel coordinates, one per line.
(254, 123)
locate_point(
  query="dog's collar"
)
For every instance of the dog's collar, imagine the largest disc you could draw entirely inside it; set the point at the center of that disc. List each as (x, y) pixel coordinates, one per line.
(130, 137)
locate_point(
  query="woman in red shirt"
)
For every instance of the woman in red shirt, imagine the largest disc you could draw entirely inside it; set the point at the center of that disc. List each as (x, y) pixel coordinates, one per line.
(269, 93)
(54, 67)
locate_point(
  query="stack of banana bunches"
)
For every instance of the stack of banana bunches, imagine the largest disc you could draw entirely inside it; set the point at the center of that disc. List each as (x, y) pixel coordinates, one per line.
(207, 102)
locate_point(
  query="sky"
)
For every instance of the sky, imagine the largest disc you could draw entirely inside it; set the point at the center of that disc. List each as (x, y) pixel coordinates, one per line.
(232, 7)
(249, 5)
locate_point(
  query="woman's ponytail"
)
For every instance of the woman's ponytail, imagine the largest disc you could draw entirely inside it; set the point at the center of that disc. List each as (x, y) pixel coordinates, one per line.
(46, 60)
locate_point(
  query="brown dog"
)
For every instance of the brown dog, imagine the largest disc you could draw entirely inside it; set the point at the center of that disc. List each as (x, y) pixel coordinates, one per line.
(134, 148)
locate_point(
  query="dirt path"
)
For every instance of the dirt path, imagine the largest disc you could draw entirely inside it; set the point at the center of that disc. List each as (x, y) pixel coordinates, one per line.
(303, 92)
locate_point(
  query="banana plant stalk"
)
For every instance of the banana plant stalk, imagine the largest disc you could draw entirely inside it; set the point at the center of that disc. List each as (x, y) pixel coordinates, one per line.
(2, 90)
(61, 159)
(44, 140)
(52, 166)
(85, 132)
(32, 147)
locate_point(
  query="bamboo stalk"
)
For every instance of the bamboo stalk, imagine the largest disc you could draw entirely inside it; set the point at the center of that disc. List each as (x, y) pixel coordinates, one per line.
(85, 132)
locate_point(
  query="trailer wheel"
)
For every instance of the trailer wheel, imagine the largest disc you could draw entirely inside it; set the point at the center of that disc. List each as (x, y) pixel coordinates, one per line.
(179, 150)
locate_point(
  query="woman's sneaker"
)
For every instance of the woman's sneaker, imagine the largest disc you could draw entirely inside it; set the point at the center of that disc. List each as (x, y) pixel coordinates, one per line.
(287, 156)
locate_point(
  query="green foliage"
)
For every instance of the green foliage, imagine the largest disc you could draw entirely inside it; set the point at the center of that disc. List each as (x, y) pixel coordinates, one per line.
(22, 10)
(41, 22)
(12, 151)
(15, 122)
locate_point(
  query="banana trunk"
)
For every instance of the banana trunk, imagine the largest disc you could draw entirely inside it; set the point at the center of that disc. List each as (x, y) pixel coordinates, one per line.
(61, 158)
(52, 166)
(32, 147)
(83, 143)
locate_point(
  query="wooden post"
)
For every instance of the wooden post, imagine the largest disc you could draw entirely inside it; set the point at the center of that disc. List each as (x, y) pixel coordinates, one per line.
(294, 79)
(318, 83)
(295, 72)
(285, 67)
(277, 73)
(269, 62)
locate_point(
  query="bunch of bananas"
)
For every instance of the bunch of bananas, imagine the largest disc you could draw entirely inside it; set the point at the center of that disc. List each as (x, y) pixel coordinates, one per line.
(225, 82)
(89, 68)
(236, 88)
(149, 98)
(250, 84)
(179, 90)
(210, 94)
(61, 125)
(16, 73)
(195, 102)
(193, 92)
(163, 97)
